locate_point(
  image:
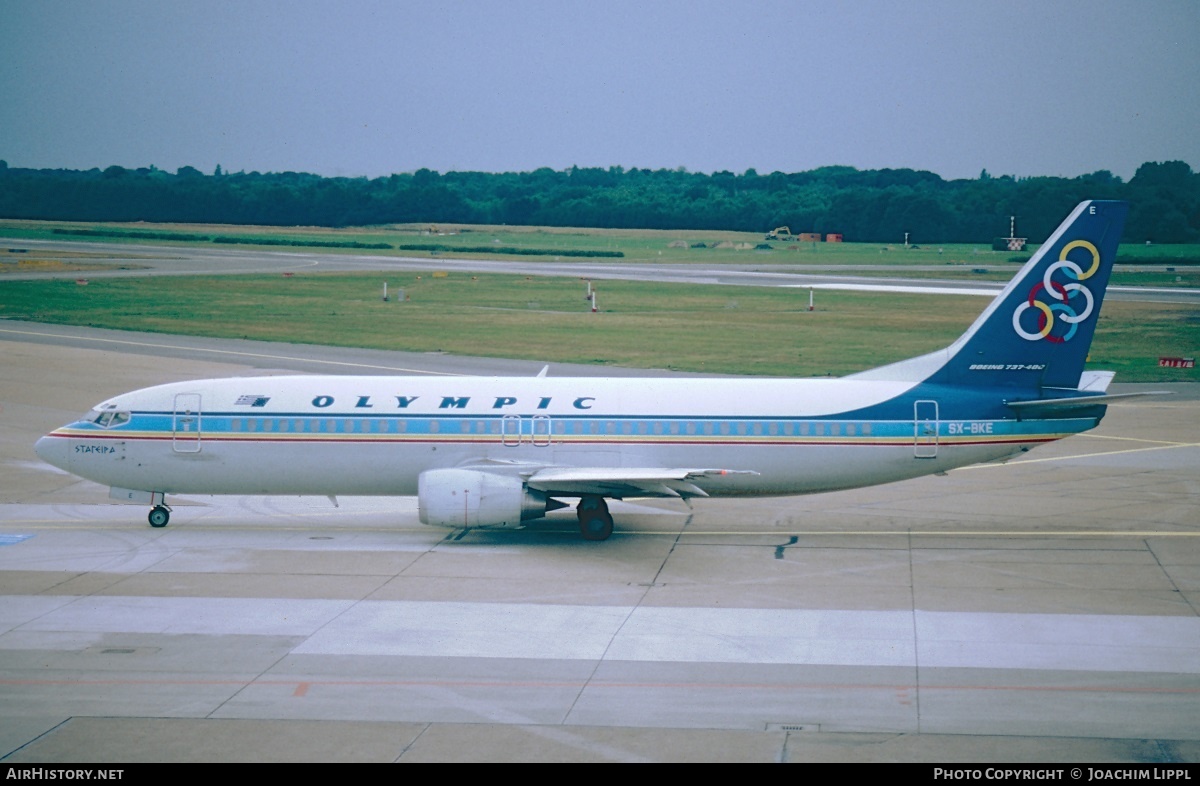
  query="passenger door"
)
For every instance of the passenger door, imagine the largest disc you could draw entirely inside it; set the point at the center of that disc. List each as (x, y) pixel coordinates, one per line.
(925, 429)
(185, 424)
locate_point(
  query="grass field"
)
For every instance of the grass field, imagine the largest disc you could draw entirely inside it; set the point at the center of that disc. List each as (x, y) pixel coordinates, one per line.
(744, 330)
(698, 328)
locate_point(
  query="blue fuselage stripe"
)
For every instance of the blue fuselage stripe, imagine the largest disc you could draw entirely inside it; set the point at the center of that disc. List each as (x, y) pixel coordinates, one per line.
(571, 427)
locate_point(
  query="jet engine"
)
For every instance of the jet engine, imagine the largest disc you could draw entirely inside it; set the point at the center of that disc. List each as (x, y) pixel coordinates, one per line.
(467, 498)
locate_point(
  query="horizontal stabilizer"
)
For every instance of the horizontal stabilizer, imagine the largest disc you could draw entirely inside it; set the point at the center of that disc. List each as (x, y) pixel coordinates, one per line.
(1077, 402)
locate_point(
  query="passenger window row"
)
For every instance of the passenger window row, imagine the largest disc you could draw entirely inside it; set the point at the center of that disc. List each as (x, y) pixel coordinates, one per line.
(787, 428)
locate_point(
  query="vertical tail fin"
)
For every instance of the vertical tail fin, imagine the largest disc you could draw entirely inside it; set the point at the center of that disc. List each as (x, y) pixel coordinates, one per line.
(1038, 330)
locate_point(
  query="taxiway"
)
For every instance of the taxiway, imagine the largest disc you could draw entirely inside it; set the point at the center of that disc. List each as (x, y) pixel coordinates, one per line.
(1043, 610)
(150, 260)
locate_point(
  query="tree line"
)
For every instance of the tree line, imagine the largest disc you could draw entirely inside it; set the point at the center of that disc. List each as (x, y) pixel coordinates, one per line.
(864, 205)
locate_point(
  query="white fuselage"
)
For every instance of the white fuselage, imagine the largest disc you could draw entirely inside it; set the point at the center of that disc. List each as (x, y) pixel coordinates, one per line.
(376, 435)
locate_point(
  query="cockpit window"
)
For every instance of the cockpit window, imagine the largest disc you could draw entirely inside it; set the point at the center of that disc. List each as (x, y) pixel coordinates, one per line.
(107, 418)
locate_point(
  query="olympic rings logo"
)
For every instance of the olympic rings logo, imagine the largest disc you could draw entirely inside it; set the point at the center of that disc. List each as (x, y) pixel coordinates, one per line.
(1072, 300)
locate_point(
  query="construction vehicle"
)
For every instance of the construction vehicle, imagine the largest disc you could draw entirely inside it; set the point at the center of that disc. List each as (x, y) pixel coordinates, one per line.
(780, 233)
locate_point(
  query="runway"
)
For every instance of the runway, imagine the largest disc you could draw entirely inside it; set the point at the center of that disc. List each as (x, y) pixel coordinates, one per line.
(150, 260)
(1045, 610)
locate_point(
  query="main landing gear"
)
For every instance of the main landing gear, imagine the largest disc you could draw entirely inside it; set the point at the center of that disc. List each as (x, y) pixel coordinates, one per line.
(159, 516)
(595, 522)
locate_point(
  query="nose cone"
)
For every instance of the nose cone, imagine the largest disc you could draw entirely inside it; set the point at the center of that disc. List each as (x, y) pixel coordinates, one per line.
(54, 450)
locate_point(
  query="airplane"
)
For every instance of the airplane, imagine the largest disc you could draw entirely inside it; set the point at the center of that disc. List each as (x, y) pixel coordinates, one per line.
(499, 451)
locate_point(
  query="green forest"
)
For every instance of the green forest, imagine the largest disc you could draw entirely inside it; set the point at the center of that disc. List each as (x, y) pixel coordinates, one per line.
(863, 205)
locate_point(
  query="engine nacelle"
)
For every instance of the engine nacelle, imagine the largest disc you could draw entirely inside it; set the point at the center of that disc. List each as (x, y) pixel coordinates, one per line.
(467, 498)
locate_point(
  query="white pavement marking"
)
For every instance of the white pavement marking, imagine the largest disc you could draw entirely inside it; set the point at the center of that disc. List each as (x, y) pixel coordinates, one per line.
(475, 630)
(776, 636)
(919, 290)
(1066, 642)
(212, 616)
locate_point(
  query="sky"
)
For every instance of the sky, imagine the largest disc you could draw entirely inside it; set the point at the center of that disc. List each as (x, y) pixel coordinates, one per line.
(362, 88)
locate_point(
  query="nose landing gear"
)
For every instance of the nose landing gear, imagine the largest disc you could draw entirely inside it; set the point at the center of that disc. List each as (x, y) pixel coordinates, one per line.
(159, 516)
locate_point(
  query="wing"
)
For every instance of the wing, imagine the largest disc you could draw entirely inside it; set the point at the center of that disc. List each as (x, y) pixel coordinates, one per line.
(619, 482)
